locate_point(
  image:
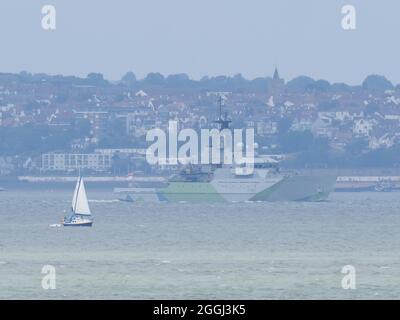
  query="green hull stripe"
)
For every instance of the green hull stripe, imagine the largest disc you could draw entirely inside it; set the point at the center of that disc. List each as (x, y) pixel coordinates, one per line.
(198, 192)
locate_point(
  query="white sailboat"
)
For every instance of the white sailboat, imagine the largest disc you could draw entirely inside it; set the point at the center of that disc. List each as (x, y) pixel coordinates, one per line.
(80, 211)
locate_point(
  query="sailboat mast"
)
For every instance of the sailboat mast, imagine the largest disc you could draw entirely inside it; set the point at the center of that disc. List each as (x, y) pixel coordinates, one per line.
(77, 192)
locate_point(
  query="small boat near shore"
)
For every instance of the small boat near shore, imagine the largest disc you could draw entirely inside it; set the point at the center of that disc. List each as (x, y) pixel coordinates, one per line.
(128, 199)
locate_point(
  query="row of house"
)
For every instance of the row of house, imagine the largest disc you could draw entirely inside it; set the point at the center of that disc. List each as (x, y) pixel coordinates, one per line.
(339, 116)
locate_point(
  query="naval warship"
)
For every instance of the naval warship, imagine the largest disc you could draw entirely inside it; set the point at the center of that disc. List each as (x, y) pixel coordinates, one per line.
(266, 183)
(230, 183)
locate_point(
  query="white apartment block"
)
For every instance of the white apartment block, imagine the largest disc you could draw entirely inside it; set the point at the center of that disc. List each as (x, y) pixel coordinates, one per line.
(71, 161)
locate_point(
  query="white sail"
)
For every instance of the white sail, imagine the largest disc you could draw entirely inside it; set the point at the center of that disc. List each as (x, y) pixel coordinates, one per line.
(80, 203)
(75, 194)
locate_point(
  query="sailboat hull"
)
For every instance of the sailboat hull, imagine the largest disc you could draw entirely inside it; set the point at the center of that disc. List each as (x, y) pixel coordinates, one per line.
(78, 224)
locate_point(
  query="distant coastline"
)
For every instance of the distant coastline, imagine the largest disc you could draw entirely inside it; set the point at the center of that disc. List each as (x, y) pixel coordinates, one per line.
(348, 180)
(61, 124)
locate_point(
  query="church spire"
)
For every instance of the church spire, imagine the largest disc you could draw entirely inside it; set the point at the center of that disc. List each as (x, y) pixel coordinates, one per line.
(276, 74)
(277, 85)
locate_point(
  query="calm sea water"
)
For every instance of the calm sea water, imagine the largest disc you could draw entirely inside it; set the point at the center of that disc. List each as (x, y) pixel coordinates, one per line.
(182, 251)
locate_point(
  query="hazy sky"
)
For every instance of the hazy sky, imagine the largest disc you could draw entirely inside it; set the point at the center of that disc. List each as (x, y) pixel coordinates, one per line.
(203, 37)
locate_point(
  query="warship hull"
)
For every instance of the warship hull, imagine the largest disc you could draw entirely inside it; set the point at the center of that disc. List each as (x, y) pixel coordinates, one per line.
(275, 189)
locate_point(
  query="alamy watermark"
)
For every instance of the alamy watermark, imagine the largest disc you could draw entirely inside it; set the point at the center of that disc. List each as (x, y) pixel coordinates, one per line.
(49, 18)
(349, 20)
(213, 146)
(49, 280)
(349, 280)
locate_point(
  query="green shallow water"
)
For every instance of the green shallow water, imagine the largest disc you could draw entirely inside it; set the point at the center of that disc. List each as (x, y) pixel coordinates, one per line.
(183, 251)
